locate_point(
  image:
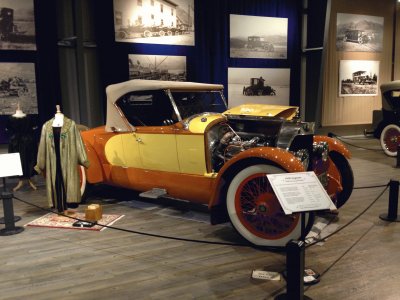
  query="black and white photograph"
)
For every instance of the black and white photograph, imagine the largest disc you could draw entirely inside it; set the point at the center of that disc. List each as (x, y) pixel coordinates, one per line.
(260, 86)
(17, 86)
(157, 67)
(359, 33)
(17, 25)
(358, 78)
(154, 21)
(258, 37)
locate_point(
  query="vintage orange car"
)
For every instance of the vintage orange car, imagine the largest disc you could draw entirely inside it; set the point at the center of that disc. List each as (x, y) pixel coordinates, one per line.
(179, 140)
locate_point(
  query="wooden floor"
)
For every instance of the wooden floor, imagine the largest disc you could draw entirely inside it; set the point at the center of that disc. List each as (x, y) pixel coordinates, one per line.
(360, 262)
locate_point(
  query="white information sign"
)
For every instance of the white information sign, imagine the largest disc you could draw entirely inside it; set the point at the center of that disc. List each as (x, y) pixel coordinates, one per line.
(10, 165)
(299, 192)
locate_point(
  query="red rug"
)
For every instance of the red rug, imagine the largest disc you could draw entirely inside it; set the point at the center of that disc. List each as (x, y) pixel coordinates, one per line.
(52, 220)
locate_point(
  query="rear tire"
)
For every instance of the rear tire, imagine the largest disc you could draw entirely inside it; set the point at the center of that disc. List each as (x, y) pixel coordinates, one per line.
(255, 211)
(389, 139)
(347, 178)
(85, 186)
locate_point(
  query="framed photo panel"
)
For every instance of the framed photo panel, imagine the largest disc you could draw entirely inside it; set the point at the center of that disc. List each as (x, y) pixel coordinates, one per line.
(258, 37)
(17, 25)
(359, 33)
(260, 86)
(157, 67)
(358, 78)
(154, 21)
(17, 85)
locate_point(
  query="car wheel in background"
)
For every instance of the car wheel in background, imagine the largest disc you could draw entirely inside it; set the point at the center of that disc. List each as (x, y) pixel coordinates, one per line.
(390, 137)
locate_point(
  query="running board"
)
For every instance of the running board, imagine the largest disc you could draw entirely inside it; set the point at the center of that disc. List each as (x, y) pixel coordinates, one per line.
(154, 193)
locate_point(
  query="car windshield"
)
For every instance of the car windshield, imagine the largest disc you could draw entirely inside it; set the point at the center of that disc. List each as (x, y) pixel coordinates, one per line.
(196, 102)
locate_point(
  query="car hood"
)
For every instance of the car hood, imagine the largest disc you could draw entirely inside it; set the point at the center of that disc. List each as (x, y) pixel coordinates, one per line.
(263, 110)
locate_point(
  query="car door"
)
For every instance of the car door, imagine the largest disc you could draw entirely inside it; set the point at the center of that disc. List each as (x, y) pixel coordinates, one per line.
(157, 148)
(152, 145)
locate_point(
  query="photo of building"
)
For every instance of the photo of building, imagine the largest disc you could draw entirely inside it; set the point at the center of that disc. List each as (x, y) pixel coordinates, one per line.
(154, 21)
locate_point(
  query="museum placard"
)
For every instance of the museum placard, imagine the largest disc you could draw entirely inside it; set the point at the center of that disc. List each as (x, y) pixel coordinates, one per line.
(10, 165)
(298, 192)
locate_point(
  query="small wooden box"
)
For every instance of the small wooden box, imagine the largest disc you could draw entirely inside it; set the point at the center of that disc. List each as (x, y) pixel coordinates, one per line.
(93, 212)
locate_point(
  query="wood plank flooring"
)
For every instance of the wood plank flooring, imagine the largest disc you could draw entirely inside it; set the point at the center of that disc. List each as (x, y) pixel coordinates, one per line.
(361, 262)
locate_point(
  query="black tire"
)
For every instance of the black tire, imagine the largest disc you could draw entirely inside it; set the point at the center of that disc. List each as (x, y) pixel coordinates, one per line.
(347, 178)
(122, 35)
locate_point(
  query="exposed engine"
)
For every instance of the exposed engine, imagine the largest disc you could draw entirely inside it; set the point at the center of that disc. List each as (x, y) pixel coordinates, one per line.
(239, 133)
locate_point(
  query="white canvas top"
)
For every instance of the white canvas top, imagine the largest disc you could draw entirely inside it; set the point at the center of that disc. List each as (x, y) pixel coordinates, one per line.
(115, 91)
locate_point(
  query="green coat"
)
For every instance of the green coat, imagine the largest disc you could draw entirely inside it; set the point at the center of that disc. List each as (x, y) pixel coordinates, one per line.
(72, 153)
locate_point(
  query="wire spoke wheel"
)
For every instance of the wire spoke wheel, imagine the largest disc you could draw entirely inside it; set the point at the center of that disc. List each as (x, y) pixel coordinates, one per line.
(256, 213)
(390, 137)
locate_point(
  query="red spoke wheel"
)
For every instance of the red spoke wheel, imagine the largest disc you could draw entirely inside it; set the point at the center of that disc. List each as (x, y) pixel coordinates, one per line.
(255, 211)
(390, 137)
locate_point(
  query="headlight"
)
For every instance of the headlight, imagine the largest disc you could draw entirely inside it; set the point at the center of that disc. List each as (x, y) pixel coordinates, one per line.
(321, 149)
(304, 157)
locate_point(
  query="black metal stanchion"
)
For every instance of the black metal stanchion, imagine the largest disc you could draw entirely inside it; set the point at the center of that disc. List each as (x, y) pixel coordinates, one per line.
(16, 218)
(398, 156)
(295, 257)
(295, 253)
(393, 203)
(10, 228)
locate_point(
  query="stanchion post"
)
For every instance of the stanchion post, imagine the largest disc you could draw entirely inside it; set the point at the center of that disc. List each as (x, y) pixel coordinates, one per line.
(398, 156)
(295, 255)
(8, 209)
(16, 218)
(393, 202)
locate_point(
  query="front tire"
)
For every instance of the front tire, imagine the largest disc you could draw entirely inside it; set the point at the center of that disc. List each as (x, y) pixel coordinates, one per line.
(255, 211)
(389, 139)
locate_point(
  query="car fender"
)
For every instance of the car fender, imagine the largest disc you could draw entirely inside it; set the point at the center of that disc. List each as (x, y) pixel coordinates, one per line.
(334, 145)
(276, 156)
(94, 174)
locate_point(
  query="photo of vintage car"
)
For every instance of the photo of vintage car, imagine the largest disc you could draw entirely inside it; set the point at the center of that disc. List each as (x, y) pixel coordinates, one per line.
(358, 36)
(179, 140)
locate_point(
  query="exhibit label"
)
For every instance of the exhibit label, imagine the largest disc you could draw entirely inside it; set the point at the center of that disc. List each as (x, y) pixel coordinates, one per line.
(298, 192)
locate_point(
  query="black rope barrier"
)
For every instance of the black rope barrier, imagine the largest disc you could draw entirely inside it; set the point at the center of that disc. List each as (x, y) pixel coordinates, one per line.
(331, 134)
(141, 232)
(343, 254)
(351, 221)
(206, 241)
(359, 147)
(353, 145)
(369, 187)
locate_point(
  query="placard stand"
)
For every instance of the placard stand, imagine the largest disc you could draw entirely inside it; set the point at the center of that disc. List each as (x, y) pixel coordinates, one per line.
(16, 218)
(11, 166)
(298, 193)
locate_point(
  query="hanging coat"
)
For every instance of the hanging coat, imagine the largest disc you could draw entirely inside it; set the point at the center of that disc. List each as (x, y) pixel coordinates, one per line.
(22, 140)
(72, 153)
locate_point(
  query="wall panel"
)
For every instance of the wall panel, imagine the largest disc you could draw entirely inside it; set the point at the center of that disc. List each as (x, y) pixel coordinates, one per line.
(355, 110)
